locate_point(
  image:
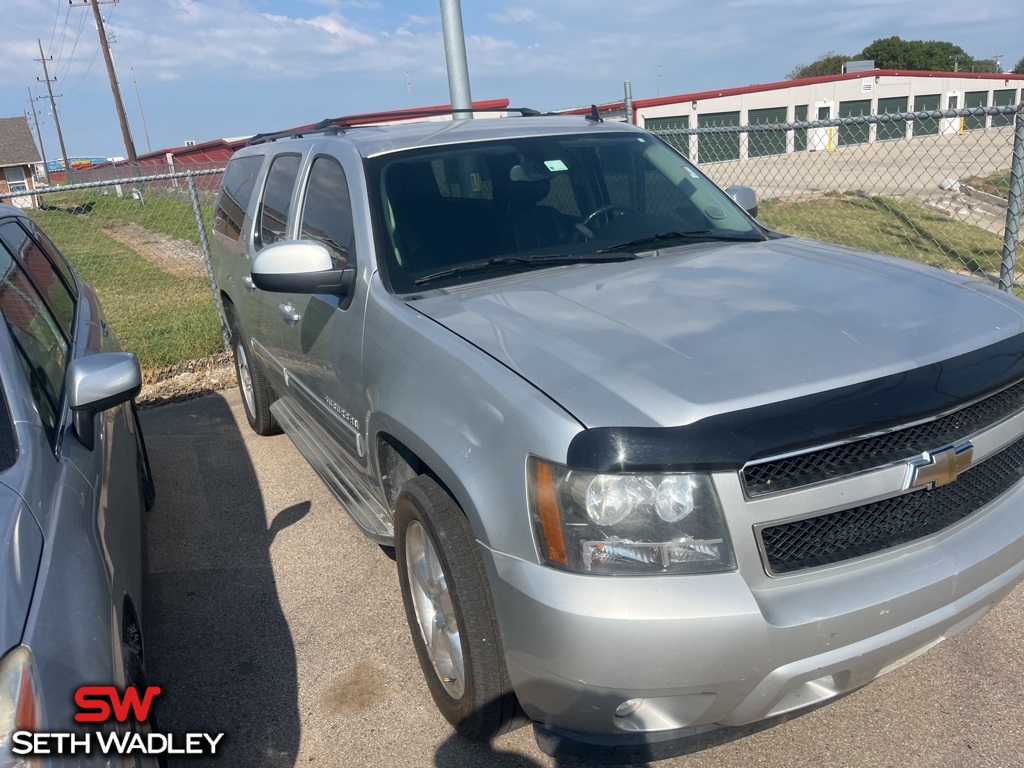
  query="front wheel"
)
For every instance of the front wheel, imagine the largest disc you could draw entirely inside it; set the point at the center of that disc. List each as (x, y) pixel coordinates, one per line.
(450, 612)
(256, 392)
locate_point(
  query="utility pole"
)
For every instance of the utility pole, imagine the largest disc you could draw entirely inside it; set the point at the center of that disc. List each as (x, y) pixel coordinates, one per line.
(53, 106)
(129, 146)
(39, 135)
(455, 58)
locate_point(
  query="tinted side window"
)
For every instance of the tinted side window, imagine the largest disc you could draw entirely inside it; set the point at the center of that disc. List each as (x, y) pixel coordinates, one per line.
(51, 250)
(327, 212)
(235, 193)
(44, 273)
(43, 351)
(275, 210)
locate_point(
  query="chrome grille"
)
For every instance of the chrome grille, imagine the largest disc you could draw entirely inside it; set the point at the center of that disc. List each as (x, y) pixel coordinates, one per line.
(901, 444)
(870, 528)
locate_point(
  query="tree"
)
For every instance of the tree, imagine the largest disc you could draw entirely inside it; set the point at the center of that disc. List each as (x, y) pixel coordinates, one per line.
(1019, 69)
(928, 55)
(896, 53)
(830, 63)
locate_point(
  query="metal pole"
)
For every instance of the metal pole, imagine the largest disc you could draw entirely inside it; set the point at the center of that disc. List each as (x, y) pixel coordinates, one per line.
(629, 101)
(197, 211)
(35, 119)
(1011, 236)
(145, 128)
(56, 120)
(129, 145)
(455, 58)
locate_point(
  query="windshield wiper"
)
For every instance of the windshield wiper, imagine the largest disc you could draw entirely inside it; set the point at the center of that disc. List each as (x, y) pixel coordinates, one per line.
(706, 234)
(548, 260)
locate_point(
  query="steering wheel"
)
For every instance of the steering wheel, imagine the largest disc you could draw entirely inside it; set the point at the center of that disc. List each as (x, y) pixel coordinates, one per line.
(583, 227)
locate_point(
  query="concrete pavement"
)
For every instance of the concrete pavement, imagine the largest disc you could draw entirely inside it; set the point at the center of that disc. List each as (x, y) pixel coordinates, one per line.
(269, 617)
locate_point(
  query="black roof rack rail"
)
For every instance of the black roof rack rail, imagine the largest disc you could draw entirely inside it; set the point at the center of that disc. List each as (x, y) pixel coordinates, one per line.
(335, 125)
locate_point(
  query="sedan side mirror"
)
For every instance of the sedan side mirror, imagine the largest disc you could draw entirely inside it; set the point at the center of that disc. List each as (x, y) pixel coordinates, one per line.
(96, 383)
(745, 198)
(301, 266)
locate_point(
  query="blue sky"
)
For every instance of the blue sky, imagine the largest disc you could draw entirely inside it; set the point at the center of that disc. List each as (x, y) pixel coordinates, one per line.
(217, 68)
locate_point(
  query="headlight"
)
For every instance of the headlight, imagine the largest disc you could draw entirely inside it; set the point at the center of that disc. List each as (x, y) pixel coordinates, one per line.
(19, 703)
(628, 523)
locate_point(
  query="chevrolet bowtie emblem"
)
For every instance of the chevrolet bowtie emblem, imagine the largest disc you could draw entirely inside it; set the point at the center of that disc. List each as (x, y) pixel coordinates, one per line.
(940, 467)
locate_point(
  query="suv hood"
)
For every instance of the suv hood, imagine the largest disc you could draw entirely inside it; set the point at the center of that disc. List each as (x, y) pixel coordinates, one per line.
(21, 546)
(699, 330)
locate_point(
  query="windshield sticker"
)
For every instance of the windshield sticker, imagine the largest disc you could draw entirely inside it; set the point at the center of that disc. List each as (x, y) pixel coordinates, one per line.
(555, 165)
(478, 183)
(693, 173)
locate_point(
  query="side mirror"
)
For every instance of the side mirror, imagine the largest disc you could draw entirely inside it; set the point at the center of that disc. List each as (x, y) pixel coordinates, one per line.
(745, 198)
(301, 266)
(96, 383)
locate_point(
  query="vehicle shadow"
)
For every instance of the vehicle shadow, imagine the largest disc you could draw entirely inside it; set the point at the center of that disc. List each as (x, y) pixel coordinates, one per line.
(216, 637)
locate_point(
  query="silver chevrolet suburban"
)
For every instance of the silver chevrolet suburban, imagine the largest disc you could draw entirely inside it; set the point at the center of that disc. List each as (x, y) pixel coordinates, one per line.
(654, 475)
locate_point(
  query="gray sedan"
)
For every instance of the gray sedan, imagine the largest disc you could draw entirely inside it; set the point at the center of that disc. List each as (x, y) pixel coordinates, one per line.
(74, 482)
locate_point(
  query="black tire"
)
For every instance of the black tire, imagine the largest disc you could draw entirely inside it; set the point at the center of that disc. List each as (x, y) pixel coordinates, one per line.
(257, 394)
(484, 705)
(135, 676)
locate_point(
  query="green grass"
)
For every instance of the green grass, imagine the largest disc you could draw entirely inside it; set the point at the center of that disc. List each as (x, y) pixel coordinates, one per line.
(162, 209)
(997, 184)
(163, 318)
(888, 226)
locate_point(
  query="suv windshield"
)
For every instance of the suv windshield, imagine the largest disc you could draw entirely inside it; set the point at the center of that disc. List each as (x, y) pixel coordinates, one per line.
(513, 204)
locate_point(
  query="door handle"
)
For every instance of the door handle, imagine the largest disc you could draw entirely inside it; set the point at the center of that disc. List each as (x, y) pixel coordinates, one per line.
(290, 313)
(250, 286)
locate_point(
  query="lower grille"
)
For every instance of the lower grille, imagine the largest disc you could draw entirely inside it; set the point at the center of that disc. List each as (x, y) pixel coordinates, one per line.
(873, 527)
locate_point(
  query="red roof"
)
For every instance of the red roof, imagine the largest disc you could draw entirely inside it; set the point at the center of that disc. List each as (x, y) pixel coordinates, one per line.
(211, 147)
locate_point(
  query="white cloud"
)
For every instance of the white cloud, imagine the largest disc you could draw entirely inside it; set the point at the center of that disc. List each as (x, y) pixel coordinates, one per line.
(525, 16)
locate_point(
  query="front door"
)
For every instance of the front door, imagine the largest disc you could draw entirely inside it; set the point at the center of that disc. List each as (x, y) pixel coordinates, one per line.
(322, 340)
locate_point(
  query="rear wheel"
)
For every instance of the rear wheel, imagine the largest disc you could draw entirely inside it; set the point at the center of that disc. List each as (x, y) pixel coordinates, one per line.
(256, 392)
(450, 613)
(135, 677)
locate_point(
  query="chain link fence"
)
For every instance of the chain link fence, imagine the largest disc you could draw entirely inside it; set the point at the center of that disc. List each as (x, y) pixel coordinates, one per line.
(938, 187)
(139, 237)
(943, 188)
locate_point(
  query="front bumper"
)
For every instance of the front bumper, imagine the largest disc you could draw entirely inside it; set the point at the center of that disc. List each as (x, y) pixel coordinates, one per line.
(737, 650)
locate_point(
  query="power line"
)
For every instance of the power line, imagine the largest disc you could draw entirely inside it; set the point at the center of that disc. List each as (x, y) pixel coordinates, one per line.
(179, 8)
(63, 36)
(64, 66)
(56, 20)
(85, 74)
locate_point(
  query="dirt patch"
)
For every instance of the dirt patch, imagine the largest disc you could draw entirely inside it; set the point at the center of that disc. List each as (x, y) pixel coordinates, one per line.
(187, 380)
(177, 257)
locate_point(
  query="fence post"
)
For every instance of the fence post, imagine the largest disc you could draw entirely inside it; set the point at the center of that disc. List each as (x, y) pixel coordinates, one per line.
(205, 245)
(1011, 236)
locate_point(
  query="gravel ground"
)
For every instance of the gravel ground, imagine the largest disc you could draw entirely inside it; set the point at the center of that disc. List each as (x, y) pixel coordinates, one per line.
(191, 378)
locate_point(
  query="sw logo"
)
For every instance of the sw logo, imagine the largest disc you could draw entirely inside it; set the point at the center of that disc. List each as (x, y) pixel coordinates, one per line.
(103, 704)
(99, 702)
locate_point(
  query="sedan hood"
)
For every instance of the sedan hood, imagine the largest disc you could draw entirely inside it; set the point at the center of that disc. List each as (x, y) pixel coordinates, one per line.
(691, 332)
(21, 546)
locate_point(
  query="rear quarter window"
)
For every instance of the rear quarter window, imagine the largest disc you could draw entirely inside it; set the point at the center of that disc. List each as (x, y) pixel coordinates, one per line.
(43, 265)
(236, 190)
